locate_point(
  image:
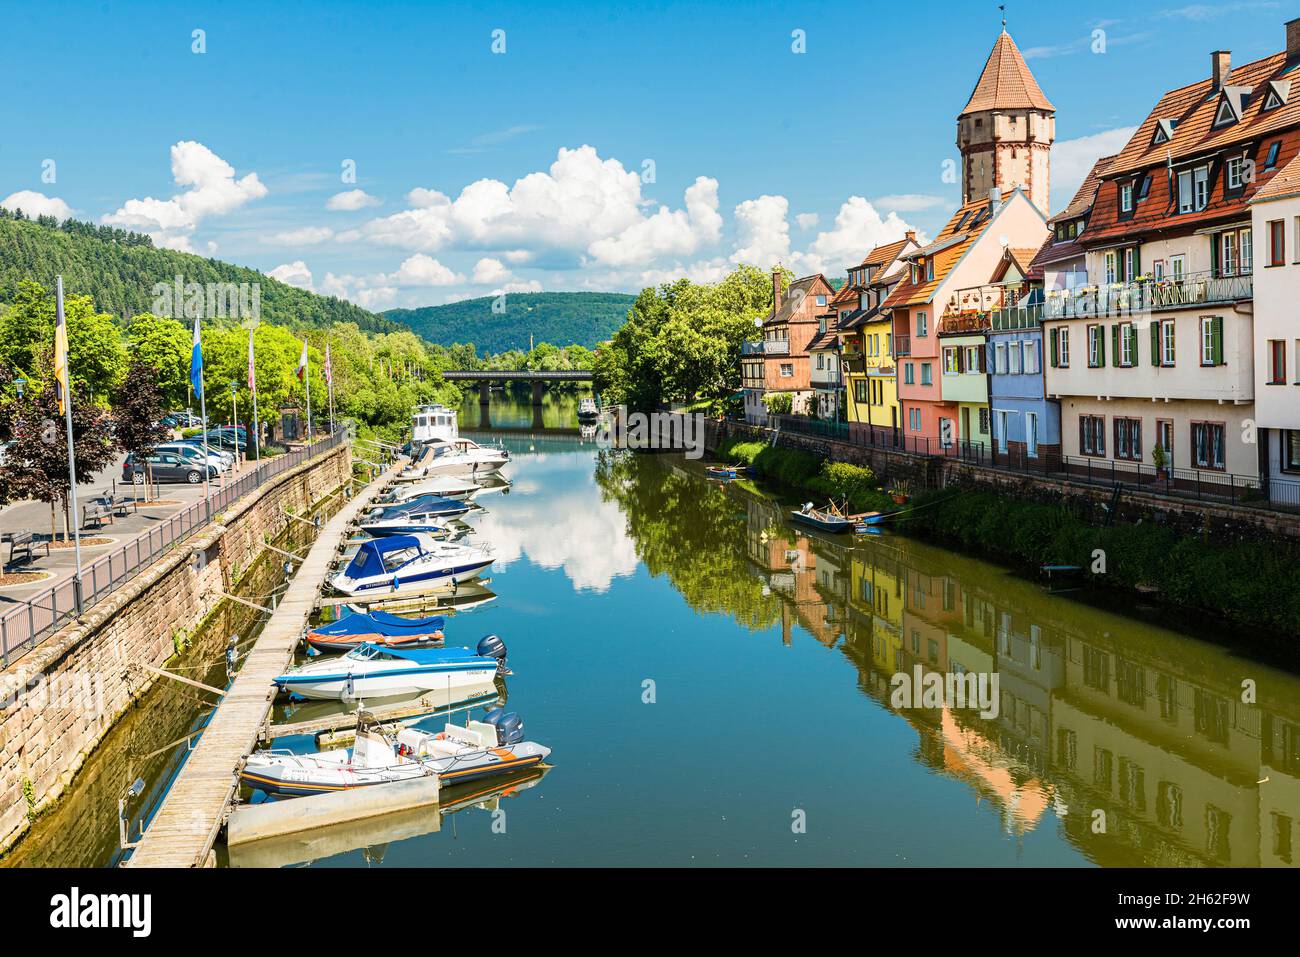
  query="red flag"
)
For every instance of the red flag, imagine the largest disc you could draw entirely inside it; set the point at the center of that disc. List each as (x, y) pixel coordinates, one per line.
(329, 372)
(301, 371)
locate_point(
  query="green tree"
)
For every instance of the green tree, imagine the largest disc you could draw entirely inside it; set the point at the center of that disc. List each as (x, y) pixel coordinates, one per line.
(164, 346)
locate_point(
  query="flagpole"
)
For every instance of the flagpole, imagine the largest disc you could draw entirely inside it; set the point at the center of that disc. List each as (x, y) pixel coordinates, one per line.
(67, 417)
(252, 387)
(329, 380)
(196, 369)
(306, 381)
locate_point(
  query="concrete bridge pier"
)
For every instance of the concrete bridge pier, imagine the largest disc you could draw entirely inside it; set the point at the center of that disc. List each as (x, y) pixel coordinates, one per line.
(484, 400)
(537, 404)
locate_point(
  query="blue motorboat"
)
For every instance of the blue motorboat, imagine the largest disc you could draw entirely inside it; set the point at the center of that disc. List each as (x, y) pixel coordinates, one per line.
(421, 513)
(378, 628)
(400, 564)
(372, 671)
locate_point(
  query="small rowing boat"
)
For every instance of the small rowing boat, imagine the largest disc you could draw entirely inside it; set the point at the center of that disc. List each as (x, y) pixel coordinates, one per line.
(377, 628)
(728, 472)
(824, 520)
(456, 754)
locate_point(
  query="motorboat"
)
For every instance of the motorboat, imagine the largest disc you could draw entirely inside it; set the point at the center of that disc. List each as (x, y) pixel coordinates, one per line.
(456, 754)
(377, 628)
(588, 410)
(823, 520)
(423, 513)
(466, 597)
(434, 423)
(459, 458)
(728, 472)
(374, 671)
(403, 563)
(446, 486)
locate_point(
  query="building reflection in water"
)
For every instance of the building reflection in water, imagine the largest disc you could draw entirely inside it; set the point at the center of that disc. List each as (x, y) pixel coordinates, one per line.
(1097, 712)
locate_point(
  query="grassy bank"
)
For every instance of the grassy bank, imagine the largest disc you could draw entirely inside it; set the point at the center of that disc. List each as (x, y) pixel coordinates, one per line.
(1251, 581)
(839, 481)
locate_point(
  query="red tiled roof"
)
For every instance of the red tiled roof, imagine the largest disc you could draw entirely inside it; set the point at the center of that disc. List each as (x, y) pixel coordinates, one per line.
(947, 250)
(1285, 183)
(1086, 194)
(1006, 83)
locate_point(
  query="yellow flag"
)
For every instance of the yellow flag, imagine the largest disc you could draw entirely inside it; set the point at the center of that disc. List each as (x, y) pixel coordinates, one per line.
(61, 361)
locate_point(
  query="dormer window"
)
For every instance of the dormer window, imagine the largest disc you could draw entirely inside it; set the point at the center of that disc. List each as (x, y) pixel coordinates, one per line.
(1271, 159)
(1279, 92)
(1235, 172)
(1164, 131)
(929, 270)
(1145, 188)
(1225, 114)
(1232, 105)
(1193, 189)
(1126, 197)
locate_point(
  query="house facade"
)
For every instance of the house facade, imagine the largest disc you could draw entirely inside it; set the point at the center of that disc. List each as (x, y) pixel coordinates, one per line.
(1158, 348)
(787, 333)
(1275, 220)
(867, 337)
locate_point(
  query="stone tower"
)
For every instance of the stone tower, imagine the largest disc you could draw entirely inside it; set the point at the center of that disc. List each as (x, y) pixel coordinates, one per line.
(1005, 133)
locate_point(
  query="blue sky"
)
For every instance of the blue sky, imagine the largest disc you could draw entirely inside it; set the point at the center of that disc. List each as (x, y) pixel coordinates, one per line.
(757, 152)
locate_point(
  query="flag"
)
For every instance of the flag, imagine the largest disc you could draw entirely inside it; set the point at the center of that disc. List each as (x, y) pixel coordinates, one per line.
(301, 371)
(252, 381)
(61, 360)
(196, 362)
(329, 372)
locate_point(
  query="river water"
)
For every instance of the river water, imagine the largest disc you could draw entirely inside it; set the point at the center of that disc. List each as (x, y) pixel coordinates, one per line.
(716, 689)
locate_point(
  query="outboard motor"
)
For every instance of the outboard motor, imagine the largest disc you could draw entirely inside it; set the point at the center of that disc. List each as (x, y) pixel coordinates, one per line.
(491, 646)
(510, 727)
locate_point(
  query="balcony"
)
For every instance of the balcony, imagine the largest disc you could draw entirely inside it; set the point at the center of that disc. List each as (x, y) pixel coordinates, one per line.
(1146, 295)
(751, 348)
(985, 298)
(964, 322)
(776, 347)
(1017, 318)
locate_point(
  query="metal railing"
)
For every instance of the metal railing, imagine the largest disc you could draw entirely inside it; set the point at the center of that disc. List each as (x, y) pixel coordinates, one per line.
(24, 625)
(751, 348)
(776, 347)
(1116, 299)
(1017, 318)
(902, 345)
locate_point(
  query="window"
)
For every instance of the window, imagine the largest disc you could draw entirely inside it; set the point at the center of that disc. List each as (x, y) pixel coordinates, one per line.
(1193, 189)
(1165, 439)
(926, 377)
(1167, 352)
(1126, 198)
(1235, 172)
(1065, 347)
(1112, 266)
(1031, 434)
(1092, 435)
(1291, 450)
(1126, 343)
(1246, 249)
(1177, 267)
(1145, 187)
(921, 324)
(1000, 358)
(951, 360)
(821, 361)
(1014, 356)
(929, 270)
(821, 300)
(1207, 445)
(984, 421)
(787, 370)
(1029, 351)
(1271, 160)
(1128, 439)
(973, 359)
(914, 419)
(909, 373)
(1277, 362)
(1277, 243)
(1096, 347)
(1212, 341)
(1228, 254)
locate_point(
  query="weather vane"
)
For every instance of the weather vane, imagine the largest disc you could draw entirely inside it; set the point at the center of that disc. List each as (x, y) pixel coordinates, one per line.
(1003, 8)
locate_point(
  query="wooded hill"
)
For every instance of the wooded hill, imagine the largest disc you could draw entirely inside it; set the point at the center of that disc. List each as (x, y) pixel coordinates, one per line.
(563, 318)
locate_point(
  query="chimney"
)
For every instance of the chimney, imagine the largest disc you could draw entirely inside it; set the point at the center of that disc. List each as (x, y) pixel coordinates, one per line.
(910, 235)
(995, 198)
(1293, 39)
(776, 290)
(1220, 67)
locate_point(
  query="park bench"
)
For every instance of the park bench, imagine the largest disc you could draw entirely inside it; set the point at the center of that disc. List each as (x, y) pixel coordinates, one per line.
(96, 510)
(22, 547)
(120, 503)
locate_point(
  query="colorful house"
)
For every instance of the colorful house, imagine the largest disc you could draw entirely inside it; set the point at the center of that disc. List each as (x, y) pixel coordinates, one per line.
(1005, 134)
(787, 332)
(1159, 348)
(867, 336)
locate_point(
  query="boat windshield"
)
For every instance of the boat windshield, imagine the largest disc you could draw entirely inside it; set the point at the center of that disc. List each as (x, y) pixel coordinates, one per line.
(399, 557)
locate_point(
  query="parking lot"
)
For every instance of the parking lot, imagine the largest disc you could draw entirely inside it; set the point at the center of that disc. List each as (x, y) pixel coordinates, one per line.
(137, 516)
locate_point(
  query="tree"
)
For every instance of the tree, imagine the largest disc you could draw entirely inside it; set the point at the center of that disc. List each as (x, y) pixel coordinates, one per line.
(164, 346)
(137, 409)
(96, 356)
(36, 465)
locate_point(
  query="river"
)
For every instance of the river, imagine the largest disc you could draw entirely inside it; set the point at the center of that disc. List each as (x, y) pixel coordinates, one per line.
(716, 689)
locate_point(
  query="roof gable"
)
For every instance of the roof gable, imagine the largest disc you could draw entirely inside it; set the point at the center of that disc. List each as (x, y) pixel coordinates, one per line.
(1006, 83)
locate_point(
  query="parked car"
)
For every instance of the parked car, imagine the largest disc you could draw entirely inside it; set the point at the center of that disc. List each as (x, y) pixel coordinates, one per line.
(225, 456)
(228, 438)
(194, 453)
(165, 467)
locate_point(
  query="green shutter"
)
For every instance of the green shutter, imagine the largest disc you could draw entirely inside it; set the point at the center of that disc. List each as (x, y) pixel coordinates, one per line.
(1114, 345)
(1155, 343)
(1056, 347)
(1217, 339)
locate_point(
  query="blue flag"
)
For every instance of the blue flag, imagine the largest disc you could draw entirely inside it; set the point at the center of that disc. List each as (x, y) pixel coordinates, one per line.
(196, 362)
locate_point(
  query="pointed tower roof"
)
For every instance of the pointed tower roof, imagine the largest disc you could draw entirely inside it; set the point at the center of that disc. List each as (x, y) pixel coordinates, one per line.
(1006, 83)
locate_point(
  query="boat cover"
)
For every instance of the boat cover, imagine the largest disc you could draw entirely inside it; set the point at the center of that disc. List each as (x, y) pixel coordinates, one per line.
(369, 559)
(427, 656)
(379, 623)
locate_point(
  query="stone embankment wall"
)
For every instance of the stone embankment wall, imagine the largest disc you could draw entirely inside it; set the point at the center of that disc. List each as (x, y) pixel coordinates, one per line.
(59, 700)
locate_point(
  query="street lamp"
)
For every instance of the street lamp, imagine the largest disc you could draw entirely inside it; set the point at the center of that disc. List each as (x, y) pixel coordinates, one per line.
(21, 385)
(234, 414)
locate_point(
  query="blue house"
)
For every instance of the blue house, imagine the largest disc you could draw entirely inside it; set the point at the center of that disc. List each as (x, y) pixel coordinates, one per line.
(1026, 424)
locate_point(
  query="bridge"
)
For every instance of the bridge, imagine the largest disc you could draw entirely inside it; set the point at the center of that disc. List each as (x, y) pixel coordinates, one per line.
(487, 377)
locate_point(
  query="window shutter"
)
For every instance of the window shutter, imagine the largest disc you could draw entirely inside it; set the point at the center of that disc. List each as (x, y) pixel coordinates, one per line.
(1114, 344)
(1056, 348)
(1101, 345)
(1083, 445)
(1217, 336)
(1155, 343)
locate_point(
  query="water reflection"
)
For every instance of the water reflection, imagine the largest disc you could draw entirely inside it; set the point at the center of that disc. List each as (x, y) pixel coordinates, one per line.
(1101, 718)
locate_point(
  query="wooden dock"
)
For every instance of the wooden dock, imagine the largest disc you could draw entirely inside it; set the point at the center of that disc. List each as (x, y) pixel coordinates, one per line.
(183, 831)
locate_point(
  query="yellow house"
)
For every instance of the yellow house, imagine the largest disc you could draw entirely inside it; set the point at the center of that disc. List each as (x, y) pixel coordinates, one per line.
(867, 336)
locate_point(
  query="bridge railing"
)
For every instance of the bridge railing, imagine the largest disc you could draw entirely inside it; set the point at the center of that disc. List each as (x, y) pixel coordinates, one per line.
(521, 375)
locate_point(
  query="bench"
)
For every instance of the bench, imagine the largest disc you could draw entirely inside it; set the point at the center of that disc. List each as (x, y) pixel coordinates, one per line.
(120, 503)
(96, 511)
(22, 547)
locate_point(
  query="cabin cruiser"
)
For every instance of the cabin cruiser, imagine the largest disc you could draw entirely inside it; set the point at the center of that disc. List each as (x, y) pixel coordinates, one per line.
(431, 423)
(403, 563)
(380, 755)
(446, 486)
(378, 628)
(374, 671)
(461, 457)
(587, 409)
(422, 513)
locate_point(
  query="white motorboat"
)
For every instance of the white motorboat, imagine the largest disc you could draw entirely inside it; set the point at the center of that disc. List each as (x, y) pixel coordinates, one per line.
(460, 458)
(376, 671)
(434, 422)
(587, 409)
(444, 486)
(492, 746)
(397, 564)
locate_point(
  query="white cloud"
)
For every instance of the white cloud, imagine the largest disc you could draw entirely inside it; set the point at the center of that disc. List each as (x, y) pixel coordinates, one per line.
(858, 229)
(213, 191)
(1072, 159)
(351, 199)
(910, 202)
(668, 232)
(37, 204)
(488, 272)
(763, 234)
(422, 270)
(295, 273)
(807, 220)
(307, 236)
